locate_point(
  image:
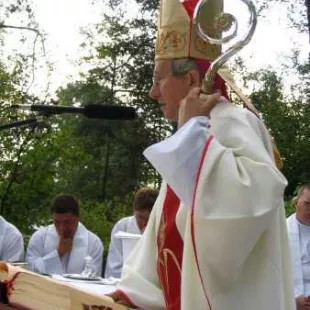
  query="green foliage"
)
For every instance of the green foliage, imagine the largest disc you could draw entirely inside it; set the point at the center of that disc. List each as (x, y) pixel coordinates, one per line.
(288, 119)
(100, 217)
(111, 151)
(101, 161)
(289, 207)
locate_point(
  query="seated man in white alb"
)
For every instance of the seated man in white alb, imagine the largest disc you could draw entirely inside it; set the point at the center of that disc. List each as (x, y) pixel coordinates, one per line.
(298, 225)
(11, 242)
(62, 247)
(142, 206)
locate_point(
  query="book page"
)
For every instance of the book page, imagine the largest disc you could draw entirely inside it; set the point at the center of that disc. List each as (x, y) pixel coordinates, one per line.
(33, 291)
(7, 271)
(3, 271)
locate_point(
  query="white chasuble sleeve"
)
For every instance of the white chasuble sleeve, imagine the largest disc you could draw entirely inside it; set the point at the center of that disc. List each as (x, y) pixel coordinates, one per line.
(139, 281)
(238, 192)
(96, 251)
(11, 242)
(238, 186)
(13, 245)
(177, 158)
(235, 253)
(115, 256)
(294, 241)
(38, 260)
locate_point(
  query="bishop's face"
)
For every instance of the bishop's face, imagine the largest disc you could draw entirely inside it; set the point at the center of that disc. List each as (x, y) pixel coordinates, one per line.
(168, 90)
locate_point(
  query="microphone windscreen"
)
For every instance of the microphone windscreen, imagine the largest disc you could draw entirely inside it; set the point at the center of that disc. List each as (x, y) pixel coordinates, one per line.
(112, 112)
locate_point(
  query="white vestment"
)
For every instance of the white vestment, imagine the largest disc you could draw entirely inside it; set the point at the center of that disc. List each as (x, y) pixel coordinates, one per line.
(298, 254)
(11, 242)
(115, 257)
(231, 219)
(42, 255)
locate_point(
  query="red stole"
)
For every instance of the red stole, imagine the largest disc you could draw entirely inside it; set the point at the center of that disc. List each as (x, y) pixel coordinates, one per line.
(170, 251)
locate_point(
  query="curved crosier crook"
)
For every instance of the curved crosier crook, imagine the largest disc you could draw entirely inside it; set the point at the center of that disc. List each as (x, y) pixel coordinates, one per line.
(224, 22)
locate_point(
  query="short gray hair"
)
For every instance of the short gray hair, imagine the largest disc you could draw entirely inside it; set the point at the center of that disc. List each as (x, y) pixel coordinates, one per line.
(181, 66)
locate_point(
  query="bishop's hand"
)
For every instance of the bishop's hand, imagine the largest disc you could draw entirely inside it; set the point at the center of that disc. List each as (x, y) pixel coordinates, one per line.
(196, 104)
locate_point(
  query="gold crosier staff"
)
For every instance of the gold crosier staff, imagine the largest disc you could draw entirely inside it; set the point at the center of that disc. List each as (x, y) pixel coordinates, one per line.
(224, 22)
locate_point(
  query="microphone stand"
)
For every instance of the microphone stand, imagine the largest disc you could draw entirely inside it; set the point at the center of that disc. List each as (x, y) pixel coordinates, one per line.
(30, 121)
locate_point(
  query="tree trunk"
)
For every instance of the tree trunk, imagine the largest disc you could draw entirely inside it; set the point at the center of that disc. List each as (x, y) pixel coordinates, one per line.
(308, 19)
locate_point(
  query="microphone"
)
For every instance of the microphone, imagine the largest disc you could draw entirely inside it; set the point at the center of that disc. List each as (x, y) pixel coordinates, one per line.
(111, 112)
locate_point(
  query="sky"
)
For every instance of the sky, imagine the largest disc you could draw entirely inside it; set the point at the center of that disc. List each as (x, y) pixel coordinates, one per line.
(62, 21)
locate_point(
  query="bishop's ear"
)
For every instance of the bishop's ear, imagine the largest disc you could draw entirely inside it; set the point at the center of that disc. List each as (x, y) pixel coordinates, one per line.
(193, 78)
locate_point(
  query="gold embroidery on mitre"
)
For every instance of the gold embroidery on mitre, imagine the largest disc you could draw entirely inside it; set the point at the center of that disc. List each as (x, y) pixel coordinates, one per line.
(205, 47)
(176, 36)
(170, 42)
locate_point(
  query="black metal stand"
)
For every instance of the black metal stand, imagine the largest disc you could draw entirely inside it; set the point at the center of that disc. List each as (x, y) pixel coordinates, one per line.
(31, 121)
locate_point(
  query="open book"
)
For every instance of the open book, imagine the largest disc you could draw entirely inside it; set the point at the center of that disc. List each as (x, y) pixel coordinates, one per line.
(31, 291)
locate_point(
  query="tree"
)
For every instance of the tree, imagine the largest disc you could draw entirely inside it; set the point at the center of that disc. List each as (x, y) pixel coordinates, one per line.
(308, 15)
(101, 161)
(26, 31)
(123, 63)
(288, 120)
(17, 69)
(113, 148)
